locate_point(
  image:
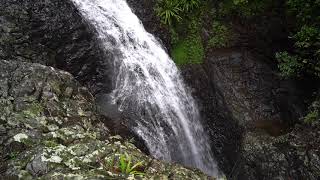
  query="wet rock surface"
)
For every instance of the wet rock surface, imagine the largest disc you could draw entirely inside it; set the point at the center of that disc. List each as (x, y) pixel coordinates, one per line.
(252, 89)
(50, 129)
(246, 105)
(46, 116)
(52, 32)
(250, 112)
(291, 156)
(144, 9)
(225, 134)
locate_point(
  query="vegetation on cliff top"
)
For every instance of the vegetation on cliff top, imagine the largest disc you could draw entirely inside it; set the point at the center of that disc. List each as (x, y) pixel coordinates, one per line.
(301, 57)
(199, 25)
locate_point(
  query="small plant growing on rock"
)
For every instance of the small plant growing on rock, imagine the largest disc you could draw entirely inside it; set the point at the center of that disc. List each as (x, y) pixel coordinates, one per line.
(123, 165)
(127, 167)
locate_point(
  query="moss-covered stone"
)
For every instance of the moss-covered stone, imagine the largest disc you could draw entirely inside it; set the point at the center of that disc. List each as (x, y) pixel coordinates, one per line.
(56, 134)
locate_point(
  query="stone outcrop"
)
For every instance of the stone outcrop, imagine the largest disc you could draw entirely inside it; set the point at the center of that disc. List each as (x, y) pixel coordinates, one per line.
(249, 110)
(46, 115)
(53, 33)
(295, 155)
(50, 130)
(252, 89)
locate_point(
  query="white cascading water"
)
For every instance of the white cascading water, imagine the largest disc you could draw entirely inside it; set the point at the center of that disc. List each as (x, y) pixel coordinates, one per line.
(149, 86)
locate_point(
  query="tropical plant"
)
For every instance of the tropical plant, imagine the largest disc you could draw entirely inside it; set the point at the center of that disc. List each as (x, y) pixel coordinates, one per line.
(124, 165)
(188, 5)
(127, 167)
(168, 11)
(172, 10)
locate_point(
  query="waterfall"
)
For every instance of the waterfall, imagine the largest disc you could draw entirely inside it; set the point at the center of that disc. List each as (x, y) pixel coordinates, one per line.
(148, 85)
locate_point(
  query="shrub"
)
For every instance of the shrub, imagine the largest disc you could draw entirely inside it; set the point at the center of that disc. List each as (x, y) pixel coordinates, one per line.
(305, 55)
(289, 66)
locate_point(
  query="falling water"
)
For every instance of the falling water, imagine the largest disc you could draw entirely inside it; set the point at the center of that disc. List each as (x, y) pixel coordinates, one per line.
(148, 83)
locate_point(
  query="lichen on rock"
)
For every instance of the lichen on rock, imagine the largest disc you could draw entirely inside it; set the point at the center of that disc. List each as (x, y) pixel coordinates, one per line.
(53, 133)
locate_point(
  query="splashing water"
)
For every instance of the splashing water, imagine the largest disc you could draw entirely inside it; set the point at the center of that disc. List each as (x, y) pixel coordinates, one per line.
(148, 85)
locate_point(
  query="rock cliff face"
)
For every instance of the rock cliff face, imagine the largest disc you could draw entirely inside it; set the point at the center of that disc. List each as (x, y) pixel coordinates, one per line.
(46, 115)
(52, 33)
(250, 112)
(50, 130)
(49, 125)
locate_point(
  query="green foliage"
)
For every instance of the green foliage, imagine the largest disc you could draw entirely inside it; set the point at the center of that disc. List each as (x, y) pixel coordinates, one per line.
(220, 35)
(305, 11)
(313, 114)
(172, 10)
(13, 155)
(244, 8)
(307, 37)
(289, 65)
(168, 11)
(189, 49)
(188, 5)
(127, 167)
(305, 56)
(311, 117)
(124, 165)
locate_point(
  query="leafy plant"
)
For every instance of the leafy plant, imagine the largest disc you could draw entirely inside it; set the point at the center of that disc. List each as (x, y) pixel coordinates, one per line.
(305, 55)
(172, 10)
(127, 167)
(188, 5)
(168, 11)
(123, 165)
(289, 65)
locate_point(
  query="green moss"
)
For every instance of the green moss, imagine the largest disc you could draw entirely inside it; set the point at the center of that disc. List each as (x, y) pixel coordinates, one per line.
(311, 117)
(33, 110)
(220, 35)
(189, 50)
(50, 144)
(187, 44)
(313, 114)
(13, 155)
(28, 142)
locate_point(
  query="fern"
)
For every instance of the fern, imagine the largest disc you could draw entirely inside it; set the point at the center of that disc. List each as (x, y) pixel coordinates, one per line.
(126, 167)
(168, 10)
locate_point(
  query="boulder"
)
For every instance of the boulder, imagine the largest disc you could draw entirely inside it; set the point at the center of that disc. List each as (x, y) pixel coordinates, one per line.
(50, 130)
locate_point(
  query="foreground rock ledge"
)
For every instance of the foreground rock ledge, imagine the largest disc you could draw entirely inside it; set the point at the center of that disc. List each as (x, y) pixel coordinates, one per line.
(49, 130)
